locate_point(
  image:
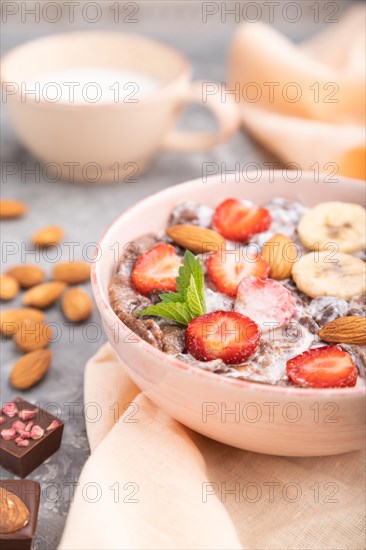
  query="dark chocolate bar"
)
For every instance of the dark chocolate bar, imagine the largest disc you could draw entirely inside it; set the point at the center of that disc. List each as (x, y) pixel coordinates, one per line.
(28, 492)
(28, 436)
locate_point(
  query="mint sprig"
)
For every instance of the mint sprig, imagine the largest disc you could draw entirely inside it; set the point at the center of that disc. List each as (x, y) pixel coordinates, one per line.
(189, 300)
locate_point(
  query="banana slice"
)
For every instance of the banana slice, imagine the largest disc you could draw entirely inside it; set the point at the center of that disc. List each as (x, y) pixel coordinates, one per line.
(341, 223)
(325, 274)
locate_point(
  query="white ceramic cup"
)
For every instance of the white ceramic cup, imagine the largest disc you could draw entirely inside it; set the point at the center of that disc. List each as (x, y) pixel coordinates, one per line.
(120, 138)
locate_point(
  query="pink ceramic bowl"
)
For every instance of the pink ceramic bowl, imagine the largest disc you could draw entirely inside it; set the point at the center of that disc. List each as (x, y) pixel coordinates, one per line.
(268, 419)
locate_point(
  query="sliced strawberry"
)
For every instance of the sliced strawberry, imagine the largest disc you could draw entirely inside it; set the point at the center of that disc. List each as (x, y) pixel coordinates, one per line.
(156, 269)
(225, 335)
(267, 302)
(238, 222)
(226, 270)
(326, 367)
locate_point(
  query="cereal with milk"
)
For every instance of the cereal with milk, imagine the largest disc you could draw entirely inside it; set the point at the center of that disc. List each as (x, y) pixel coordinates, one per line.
(289, 313)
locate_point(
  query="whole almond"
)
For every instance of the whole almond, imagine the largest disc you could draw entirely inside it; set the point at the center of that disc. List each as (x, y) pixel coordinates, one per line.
(345, 330)
(30, 369)
(72, 273)
(27, 275)
(281, 253)
(10, 208)
(33, 335)
(11, 319)
(9, 287)
(196, 239)
(43, 295)
(14, 513)
(48, 236)
(76, 305)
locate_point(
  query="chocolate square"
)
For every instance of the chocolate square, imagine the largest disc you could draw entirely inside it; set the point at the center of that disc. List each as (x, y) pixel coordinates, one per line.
(23, 460)
(29, 493)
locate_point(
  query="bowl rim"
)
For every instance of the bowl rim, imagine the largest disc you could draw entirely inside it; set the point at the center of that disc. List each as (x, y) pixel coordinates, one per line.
(106, 309)
(184, 74)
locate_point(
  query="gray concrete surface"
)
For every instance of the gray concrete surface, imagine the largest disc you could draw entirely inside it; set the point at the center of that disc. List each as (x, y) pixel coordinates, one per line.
(85, 212)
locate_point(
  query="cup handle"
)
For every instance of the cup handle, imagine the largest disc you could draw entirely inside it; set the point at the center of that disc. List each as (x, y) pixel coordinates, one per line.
(226, 114)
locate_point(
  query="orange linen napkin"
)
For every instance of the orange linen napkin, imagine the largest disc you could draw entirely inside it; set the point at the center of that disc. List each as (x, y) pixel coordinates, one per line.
(151, 483)
(305, 103)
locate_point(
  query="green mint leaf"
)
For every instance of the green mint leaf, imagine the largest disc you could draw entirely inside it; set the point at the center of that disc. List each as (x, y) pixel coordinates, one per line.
(171, 297)
(189, 302)
(194, 301)
(198, 276)
(175, 311)
(185, 272)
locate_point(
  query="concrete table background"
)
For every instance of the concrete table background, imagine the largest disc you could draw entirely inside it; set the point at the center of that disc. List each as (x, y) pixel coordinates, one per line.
(85, 212)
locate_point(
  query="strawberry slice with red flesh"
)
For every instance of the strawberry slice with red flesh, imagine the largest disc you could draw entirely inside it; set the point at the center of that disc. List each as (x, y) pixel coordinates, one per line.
(267, 302)
(226, 272)
(156, 269)
(238, 222)
(224, 335)
(326, 367)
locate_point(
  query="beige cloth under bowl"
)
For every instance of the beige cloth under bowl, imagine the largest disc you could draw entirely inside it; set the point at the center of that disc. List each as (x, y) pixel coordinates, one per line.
(180, 490)
(305, 103)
